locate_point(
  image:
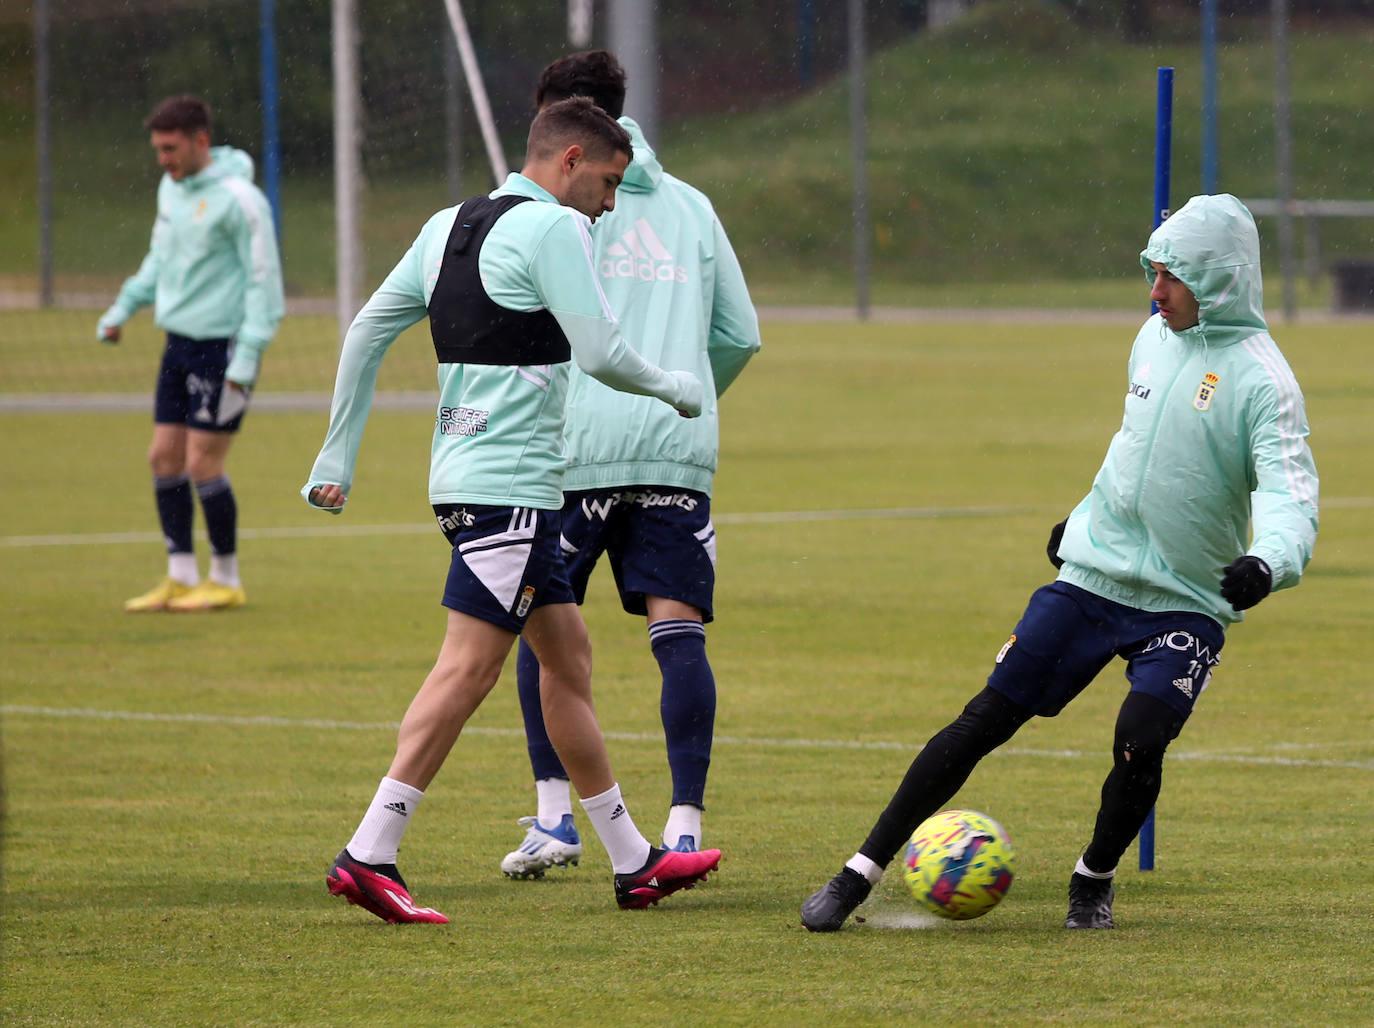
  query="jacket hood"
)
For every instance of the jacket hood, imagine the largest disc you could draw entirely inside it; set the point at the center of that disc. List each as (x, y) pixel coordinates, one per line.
(644, 173)
(225, 162)
(1211, 245)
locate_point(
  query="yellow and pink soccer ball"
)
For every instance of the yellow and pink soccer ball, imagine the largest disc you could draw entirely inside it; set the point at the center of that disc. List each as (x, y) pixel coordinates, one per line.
(959, 864)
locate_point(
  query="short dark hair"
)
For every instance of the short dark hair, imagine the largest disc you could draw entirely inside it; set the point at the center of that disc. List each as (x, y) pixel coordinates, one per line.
(590, 73)
(189, 114)
(576, 120)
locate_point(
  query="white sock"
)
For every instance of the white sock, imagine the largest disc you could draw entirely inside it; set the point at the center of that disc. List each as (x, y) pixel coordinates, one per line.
(555, 800)
(1086, 872)
(224, 569)
(378, 837)
(181, 567)
(628, 850)
(858, 862)
(683, 819)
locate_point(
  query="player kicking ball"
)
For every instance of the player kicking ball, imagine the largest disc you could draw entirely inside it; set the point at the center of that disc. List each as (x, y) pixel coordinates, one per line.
(507, 283)
(1152, 563)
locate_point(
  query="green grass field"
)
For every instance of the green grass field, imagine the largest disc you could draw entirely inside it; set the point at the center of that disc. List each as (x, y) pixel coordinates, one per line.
(176, 786)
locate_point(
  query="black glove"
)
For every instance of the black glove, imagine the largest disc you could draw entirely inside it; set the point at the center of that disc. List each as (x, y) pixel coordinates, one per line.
(1052, 548)
(1246, 581)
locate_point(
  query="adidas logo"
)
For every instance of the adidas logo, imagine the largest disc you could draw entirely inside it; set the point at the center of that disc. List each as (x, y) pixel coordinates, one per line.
(640, 254)
(397, 808)
(618, 811)
(1185, 686)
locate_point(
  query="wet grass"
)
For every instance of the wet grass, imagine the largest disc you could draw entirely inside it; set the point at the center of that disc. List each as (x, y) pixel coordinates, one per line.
(170, 871)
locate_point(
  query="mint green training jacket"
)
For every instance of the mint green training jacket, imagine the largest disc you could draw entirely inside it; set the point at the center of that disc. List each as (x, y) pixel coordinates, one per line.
(498, 437)
(212, 270)
(1214, 438)
(671, 277)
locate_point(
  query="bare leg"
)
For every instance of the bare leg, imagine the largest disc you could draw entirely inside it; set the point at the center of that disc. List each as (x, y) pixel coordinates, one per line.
(175, 502)
(661, 608)
(644, 875)
(558, 637)
(468, 666)
(167, 450)
(205, 453)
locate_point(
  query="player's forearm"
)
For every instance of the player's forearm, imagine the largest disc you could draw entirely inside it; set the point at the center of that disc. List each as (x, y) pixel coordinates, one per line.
(247, 360)
(1285, 534)
(364, 346)
(601, 351)
(263, 309)
(734, 333)
(263, 303)
(348, 415)
(728, 361)
(1283, 506)
(138, 290)
(565, 280)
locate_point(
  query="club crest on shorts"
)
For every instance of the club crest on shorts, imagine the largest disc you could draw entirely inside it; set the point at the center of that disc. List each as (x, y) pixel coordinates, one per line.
(1203, 399)
(1001, 654)
(526, 601)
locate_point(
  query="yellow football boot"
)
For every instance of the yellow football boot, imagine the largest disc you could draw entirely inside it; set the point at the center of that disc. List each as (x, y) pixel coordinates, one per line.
(158, 597)
(209, 596)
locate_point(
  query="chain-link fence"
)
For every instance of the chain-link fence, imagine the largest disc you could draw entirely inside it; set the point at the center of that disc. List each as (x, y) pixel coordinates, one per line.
(1009, 152)
(110, 62)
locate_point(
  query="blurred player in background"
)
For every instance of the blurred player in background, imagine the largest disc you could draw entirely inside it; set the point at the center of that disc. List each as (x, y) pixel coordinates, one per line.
(509, 288)
(638, 484)
(1152, 563)
(214, 277)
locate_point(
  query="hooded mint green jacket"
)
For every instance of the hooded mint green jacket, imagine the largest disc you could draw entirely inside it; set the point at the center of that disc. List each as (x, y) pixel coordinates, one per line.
(498, 434)
(672, 279)
(1211, 461)
(212, 270)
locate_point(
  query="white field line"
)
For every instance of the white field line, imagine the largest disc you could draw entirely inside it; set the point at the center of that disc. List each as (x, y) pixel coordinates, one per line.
(326, 530)
(777, 517)
(745, 742)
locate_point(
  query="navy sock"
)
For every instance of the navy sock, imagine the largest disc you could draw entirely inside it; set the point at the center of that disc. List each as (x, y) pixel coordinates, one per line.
(175, 511)
(221, 514)
(543, 757)
(687, 704)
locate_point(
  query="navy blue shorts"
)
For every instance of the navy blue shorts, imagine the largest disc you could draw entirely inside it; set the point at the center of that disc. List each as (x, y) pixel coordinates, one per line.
(506, 562)
(190, 386)
(1067, 635)
(660, 540)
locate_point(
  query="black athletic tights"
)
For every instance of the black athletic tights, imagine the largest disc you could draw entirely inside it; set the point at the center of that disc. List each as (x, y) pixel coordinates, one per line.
(1144, 729)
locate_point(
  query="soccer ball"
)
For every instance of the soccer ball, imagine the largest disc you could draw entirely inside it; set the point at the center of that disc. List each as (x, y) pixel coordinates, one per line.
(959, 864)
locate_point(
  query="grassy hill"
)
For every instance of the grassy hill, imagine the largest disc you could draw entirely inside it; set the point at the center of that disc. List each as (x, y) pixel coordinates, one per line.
(1012, 150)
(1016, 147)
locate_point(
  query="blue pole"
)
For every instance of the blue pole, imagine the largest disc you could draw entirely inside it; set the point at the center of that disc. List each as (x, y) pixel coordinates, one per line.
(806, 42)
(1209, 96)
(1164, 133)
(271, 138)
